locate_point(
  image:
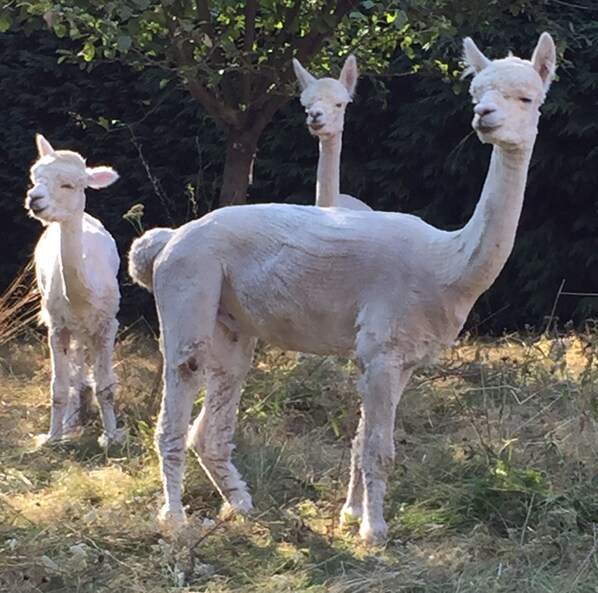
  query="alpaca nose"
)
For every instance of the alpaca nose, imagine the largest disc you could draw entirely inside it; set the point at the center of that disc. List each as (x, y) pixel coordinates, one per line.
(34, 196)
(483, 109)
(315, 115)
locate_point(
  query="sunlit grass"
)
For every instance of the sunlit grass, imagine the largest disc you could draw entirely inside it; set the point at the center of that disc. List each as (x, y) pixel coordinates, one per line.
(495, 487)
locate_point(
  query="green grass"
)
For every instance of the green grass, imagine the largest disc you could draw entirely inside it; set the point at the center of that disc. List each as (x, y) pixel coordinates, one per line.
(495, 487)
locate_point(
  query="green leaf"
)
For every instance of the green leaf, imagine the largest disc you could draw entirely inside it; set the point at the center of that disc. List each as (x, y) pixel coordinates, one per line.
(104, 122)
(88, 52)
(123, 43)
(5, 22)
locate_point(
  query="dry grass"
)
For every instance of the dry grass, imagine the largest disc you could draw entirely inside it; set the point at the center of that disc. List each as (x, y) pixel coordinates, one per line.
(19, 305)
(495, 487)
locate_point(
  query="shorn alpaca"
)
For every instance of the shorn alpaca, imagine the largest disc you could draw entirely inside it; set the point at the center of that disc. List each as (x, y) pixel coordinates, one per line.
(325, 101)
(76, 264)
(385, 287)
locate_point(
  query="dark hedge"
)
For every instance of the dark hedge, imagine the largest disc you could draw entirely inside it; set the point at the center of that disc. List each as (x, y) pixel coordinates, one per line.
(407, 147)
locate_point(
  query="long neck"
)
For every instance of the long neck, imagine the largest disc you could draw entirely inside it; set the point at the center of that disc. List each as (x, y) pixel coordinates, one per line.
(486, 241)
(71, 257)
(329, 165)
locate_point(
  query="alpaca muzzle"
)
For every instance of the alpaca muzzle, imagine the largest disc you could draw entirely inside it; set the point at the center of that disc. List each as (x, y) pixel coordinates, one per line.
(33, 203)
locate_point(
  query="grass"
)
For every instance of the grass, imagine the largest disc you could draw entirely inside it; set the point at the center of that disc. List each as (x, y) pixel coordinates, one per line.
(19, 305)
(495, 487)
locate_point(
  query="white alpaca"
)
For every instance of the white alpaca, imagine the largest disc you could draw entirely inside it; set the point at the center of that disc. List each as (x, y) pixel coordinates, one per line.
(385, 287)
(325, 101)
(76, 263)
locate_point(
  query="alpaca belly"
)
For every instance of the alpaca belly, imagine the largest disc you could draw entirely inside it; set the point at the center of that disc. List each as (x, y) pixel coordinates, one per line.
(285, 325)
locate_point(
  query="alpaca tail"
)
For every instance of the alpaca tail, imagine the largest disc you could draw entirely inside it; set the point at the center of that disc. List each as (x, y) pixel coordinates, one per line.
(144, 251)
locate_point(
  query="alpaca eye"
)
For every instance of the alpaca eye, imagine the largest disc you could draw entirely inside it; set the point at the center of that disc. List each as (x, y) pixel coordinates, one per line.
(67, 186)
(525, 99)
(339, 105)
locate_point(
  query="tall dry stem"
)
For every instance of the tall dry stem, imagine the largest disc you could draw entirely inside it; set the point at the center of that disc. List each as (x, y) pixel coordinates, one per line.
(19, 305)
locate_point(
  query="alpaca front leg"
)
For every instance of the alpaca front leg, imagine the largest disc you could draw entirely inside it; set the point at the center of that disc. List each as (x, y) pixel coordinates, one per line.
(381, 386)
(78, 399)
(212, 432)
(181, 384)
(105, 386)
(59, 341)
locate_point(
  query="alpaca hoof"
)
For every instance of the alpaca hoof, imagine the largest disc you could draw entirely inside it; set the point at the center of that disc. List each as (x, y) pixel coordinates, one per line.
(240, 504)
(45, 439)
(170, 521)
(350, 515)
(373, 535)
(115, 438)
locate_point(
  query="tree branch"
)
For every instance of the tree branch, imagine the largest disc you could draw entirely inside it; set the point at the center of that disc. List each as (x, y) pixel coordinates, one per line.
(289, 20)
(250, 14)
(213, 105)
(263, 116)
(186, 65)
(204, 17)
(248, 39)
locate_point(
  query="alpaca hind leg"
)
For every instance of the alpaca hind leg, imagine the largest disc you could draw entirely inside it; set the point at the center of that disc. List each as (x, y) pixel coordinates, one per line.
(59, 341)
(180, 390)
(381, 385)
(105, 385)
(212, 432)
(187, 317)
(353, 508)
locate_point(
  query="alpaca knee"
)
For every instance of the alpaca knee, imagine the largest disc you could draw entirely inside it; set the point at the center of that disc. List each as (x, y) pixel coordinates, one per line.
(190, 361)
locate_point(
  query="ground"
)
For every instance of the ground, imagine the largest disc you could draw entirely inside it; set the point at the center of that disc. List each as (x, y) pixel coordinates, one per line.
(495, 487)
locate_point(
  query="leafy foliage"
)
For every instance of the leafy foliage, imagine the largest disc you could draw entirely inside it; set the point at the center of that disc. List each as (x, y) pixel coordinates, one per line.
(233, 57)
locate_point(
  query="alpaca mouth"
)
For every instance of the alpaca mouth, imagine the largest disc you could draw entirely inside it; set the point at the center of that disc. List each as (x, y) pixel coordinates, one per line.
(485, 128)
(37, 209)
(316, 127)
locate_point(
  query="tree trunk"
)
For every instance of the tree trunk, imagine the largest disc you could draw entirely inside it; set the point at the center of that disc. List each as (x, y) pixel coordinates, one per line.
(238, 166)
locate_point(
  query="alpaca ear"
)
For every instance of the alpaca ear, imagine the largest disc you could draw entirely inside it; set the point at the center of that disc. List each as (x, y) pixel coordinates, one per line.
(99, 177)
(544, 59)
(349, 75)
(475, 59)
(303, 76)
(43, 146)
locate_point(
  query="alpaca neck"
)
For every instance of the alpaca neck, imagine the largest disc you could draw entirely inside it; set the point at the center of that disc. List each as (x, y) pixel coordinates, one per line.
(487, 239)
(76, 287)
(329, 164)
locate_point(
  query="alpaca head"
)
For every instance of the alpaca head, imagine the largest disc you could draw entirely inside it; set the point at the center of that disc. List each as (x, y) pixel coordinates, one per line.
(507, 93)
(59, 179)
(325, 99)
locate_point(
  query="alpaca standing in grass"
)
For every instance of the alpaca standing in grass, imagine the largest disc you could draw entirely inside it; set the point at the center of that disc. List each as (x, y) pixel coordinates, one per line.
(387, 288)
(325, 101)
(76, 263)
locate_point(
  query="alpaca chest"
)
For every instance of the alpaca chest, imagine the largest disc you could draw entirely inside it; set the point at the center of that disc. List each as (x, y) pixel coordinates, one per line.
(80, 319)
